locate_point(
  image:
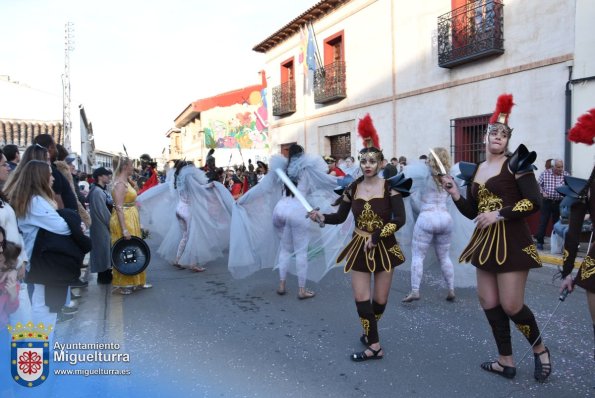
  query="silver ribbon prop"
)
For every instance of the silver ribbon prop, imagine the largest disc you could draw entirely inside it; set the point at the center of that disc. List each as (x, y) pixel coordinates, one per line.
(298, 195)
(562, 297)
(440, 166)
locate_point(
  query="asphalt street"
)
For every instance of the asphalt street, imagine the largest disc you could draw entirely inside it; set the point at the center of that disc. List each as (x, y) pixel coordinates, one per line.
(208, 335)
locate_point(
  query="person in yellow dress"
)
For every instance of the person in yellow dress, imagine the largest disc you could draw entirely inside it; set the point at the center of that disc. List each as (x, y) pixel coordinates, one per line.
(125, 222)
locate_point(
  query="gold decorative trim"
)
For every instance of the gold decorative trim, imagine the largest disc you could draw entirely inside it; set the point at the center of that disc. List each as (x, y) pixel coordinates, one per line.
(587, 269)
(396, 251)
(523, 205)
(487, 201)
(565, 255)
(368, 220)
(487, 240)
(531, 250)
(365, 325)
(524, 329)
(388, 230)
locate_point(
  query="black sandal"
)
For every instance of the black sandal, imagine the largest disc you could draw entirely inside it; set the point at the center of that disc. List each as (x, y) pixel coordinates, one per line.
(507, 371)
(364, 340)
(542, 370)
(361, 356)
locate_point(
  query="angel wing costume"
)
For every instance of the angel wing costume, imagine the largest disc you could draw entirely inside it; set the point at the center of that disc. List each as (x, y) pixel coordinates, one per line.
(270, 229)
(436, 221)
(189, 215)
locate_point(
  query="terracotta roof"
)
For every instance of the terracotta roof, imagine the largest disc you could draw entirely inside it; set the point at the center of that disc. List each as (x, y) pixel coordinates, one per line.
(314, 13)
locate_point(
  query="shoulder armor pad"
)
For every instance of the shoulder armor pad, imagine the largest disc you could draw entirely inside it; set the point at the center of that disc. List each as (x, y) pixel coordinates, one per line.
(467, 171)
(521, 161)
(400, 184)
(573, 187)
(343, 183)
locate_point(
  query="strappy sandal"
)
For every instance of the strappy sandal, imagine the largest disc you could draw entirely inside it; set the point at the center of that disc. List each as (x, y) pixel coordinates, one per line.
(542, 370)
(306, 294)
(123, 290)
(507, 371)
(197, 268)
(362, 356)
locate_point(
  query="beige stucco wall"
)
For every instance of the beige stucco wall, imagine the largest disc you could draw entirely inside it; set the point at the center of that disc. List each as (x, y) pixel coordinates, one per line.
(583, 94)
(368, 57)
(538, 42)
(393, 73)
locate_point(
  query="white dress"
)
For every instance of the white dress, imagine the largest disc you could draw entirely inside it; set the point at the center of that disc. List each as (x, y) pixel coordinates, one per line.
(270, 229)
(187, 210)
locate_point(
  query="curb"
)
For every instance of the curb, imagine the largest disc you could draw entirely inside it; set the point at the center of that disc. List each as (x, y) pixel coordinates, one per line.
(557, 260)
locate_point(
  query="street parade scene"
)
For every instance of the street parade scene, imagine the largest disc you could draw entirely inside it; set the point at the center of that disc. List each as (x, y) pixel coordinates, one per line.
(381, 199)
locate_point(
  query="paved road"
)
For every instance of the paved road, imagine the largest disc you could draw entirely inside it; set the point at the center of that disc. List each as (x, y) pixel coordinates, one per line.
(208, 335)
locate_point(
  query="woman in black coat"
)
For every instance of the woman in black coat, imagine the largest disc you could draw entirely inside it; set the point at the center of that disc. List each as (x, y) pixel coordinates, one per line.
(56, 260)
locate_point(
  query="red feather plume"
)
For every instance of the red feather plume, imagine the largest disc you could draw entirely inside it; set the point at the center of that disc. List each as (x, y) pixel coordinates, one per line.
(367, 131)
(503, 105)
(584, 129)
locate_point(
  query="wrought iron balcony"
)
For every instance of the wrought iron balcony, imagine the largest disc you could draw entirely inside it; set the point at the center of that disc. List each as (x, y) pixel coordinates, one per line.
(284, 99)
(471, 32)
(329, 83)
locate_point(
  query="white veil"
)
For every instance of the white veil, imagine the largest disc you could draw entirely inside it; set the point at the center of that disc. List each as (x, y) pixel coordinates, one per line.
(210, 210)
(254, 241)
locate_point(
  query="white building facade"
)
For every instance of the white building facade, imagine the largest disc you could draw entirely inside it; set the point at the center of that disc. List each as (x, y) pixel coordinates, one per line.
(429, 73)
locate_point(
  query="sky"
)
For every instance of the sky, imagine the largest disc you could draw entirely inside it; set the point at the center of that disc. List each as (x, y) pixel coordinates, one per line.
(137, 64)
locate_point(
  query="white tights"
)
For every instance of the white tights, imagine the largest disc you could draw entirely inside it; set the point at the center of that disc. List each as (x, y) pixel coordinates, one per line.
(431, 226)
(292, 229)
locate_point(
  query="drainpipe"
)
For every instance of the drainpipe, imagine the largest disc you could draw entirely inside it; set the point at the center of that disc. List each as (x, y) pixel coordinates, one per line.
(568, 115)
(567, 121)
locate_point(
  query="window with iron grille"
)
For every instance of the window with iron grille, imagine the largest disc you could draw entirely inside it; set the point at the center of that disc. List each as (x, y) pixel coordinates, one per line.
(329, 81)
(474, 29)
(340, 145)
(466, 138)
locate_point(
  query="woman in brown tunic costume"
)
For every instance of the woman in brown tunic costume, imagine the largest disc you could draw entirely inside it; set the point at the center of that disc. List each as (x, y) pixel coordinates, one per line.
(583, 131)
(502, 191)
(378, 209)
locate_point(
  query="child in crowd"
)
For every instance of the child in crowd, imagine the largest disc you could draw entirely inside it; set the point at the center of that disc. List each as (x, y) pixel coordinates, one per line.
(9, 287)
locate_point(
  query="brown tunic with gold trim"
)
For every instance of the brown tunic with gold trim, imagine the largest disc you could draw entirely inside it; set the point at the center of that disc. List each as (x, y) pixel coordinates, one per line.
(373, 218)
(506, 245)
(585, 277)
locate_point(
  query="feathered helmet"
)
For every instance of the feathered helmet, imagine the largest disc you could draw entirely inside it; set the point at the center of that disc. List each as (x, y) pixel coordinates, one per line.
(584, 129)
(367, 131)
(499, 119)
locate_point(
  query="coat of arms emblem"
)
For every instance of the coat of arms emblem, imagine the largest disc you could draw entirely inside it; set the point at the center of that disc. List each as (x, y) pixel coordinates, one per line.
(30, 353)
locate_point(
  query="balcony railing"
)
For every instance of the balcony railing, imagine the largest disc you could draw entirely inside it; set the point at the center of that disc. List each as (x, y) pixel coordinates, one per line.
(471, 32)
(329, 83)
(284, 99)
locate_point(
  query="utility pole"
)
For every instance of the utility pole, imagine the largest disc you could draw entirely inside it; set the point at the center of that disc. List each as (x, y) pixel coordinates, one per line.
(68, 47)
